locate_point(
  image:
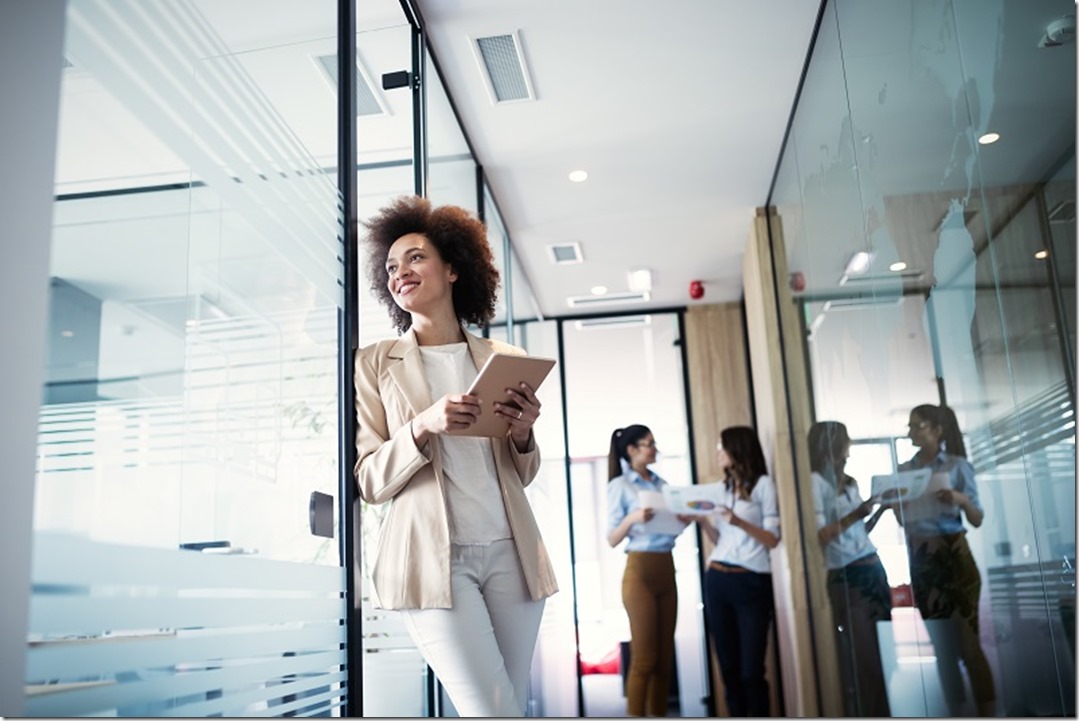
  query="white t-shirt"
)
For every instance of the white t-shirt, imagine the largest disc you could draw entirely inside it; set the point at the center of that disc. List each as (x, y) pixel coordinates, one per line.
(735, 546)
(851, 544)
(474, 503)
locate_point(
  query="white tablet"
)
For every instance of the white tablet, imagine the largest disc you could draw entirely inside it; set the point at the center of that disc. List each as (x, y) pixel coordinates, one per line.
(502, 371)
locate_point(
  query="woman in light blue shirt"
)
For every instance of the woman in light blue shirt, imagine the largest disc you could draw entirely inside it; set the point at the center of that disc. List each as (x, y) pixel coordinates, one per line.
(649, 592)
(738, 584)
(857, 582)
(944, 578)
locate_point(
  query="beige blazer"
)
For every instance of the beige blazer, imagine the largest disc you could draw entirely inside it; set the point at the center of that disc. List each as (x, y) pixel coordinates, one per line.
(412, 564)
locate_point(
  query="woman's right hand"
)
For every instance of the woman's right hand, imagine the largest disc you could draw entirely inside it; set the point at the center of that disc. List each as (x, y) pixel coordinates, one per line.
(642, 515)
(451, 412)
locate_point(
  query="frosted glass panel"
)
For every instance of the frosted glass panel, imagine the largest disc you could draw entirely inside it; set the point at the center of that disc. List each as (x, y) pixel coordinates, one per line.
(190, 405)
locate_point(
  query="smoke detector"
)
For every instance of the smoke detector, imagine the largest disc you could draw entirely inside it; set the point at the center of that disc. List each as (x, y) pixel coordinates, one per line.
(1059, 32)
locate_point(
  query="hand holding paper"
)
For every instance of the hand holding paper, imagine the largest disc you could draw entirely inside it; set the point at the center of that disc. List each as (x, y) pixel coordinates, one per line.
(662, 520)
(696, 500)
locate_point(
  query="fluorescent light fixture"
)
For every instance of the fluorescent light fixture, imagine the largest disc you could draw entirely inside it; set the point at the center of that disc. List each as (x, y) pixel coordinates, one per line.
(580, 301)
(578, 176)
(1042, 254)
(858, 263)
(989, 138)
(640, 280)
(599, 290)
(897, 266)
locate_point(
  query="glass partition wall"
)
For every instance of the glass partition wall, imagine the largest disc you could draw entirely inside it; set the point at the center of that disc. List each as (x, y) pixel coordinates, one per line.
(925, 208)
(189, 416)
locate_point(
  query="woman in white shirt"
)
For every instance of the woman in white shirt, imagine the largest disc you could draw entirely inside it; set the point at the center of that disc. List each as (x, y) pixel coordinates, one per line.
(857, 583)
(738, 584)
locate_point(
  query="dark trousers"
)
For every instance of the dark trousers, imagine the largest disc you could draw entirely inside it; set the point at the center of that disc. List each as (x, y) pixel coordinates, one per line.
(947, 584)
(740, 609)
(860, 598)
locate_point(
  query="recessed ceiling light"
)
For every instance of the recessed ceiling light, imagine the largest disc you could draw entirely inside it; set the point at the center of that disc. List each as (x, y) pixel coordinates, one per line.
(1042, 254)
(897, 266)
(599, 290)
(578, 176)
(989, 138)
(68, 333)
(859, 262)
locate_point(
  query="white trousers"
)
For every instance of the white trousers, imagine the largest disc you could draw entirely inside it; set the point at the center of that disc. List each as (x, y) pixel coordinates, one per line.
(481, 649)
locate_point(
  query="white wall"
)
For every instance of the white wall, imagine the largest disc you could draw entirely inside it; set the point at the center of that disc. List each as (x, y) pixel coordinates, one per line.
(31, 48)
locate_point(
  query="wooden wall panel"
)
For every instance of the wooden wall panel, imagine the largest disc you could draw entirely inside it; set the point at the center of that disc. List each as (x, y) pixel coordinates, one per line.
(781, 400)
(718, 379)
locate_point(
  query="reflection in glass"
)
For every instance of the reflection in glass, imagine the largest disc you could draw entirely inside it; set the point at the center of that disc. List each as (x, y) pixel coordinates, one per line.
(966, 299)
(857, 582)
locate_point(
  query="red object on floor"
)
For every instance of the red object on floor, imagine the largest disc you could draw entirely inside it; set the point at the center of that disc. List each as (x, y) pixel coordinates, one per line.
(610, 663)
(902, 596)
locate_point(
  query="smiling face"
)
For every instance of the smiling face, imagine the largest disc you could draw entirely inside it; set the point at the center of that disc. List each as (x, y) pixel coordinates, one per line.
(417, 277)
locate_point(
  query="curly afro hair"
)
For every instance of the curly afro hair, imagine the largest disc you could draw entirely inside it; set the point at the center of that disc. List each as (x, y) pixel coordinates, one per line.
(460, 239)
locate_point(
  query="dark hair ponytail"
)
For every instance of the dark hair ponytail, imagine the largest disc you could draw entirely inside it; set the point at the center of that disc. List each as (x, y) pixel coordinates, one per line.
(620, 440)
(952, 436)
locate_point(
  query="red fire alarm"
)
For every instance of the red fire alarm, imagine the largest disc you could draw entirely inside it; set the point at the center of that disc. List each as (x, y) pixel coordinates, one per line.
(696, 289)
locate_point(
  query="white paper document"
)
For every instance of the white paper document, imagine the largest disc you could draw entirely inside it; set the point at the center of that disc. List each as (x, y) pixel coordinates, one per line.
(904, 484)
(926, 505)
(697, 500)
(664, 520)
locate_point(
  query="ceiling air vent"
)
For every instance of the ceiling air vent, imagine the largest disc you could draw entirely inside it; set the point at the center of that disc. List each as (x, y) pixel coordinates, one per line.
(584, 301)
(503, 68)
(618, 321)
(368, 102)
(565, 253)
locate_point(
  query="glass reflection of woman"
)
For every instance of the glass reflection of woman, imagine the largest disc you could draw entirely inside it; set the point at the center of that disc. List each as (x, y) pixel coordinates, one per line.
(944, 578)
(649, 592)
(738, 584)
(857, 583)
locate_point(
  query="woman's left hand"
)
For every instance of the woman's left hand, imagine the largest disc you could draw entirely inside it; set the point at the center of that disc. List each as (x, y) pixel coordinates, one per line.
(523, 417)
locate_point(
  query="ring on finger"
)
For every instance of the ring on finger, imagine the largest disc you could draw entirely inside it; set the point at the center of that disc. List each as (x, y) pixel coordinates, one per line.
(520, 414)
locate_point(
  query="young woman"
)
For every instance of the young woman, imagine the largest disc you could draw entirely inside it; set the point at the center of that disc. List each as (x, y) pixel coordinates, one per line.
(738, 584)
(460, 553)
(649, 592)
(857, 583)
(944, 578)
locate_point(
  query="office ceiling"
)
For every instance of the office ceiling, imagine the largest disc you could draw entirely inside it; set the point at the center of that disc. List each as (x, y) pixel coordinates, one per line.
(677, 111)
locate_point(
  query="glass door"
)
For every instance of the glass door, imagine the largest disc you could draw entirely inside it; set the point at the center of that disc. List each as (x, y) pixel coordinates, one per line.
(621, 371)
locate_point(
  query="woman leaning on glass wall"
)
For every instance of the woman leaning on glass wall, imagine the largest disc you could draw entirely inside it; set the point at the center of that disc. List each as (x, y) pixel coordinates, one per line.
(738, 584)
